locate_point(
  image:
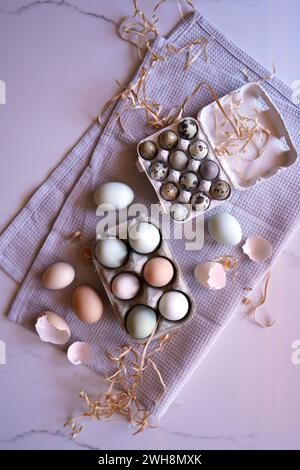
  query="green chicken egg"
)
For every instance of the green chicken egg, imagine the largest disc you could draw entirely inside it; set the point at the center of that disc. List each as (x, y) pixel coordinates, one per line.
(141, 321)
(225, 229)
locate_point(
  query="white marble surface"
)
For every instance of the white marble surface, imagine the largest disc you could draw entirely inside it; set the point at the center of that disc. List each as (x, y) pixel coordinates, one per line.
(59, 59)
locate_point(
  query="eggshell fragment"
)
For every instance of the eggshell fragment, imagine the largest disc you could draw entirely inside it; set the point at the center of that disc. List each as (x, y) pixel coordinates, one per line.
(58, 276)
(211, 275)
(258, 249)
(79, 353)
(52, 328)
(87, 304)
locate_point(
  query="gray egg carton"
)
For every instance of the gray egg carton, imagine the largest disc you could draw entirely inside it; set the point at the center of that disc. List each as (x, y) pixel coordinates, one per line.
(240, 174)
(148, 295)
(174, 175)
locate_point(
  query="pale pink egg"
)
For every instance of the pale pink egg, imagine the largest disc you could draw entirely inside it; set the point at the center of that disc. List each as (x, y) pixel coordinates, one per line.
(125, 286)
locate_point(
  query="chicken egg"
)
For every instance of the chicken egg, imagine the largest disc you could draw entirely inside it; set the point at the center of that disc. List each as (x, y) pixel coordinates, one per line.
(87, 304)
(58, 276)
(144, 237)
(113, 196)
(173, 305)
(141, 321)
(158, 271)
(125, 286)
(225, 229)
(111, 252)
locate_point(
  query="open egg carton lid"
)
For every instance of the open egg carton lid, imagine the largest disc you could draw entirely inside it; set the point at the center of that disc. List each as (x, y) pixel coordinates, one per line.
(243, 134)
(262, 145)
(147, 295)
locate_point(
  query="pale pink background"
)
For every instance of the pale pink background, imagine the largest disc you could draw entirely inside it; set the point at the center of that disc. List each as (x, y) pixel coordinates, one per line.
(59, 64)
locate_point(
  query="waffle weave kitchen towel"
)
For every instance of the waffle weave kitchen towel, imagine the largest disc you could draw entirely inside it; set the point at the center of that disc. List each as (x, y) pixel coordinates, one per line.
(39, 235)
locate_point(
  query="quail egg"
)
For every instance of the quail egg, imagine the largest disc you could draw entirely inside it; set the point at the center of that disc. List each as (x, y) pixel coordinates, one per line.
(209, 170)
(168, 140)
(169, 191)
(179, 211)
(148, 150)
(178, 160)
(189, 181)
(220, 190)
(158, 171)
(200, 201)
(187, 129)
(198, 150)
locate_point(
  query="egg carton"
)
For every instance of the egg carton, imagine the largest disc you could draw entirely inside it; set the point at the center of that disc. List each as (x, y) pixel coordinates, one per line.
(237, 172)
(147, 295)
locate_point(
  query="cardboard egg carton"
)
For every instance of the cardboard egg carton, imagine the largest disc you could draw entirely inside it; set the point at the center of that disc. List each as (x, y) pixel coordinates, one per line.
(147, 295)
(241, 170)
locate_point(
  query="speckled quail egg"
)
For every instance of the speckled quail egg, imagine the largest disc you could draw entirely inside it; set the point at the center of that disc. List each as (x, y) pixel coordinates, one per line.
(200, 201)
(198, 150)
(158, 171)
(179, 211)
(148, 150)
(187, 129)
(189, 181)
(168, 140)
(220, 190)
(178, 160)
(169, 191)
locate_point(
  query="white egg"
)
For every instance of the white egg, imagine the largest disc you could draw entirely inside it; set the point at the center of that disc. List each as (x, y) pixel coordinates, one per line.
(144, 237)
(113, 196)
(58, 276)
(111, 252)
(173, 305)
(225, 229)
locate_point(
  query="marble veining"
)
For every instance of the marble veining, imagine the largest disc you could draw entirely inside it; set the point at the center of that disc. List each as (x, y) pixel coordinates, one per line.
(59, 3)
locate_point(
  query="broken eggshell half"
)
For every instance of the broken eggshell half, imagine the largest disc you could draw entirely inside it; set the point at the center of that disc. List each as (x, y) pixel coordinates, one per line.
(79, 353)
(257, 248)
(211, 275)
(52, 328)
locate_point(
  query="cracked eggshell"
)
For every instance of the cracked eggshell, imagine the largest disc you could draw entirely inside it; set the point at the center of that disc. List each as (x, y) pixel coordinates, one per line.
(211, 275)
(257, 248)
(52, 328)
(79, 353)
